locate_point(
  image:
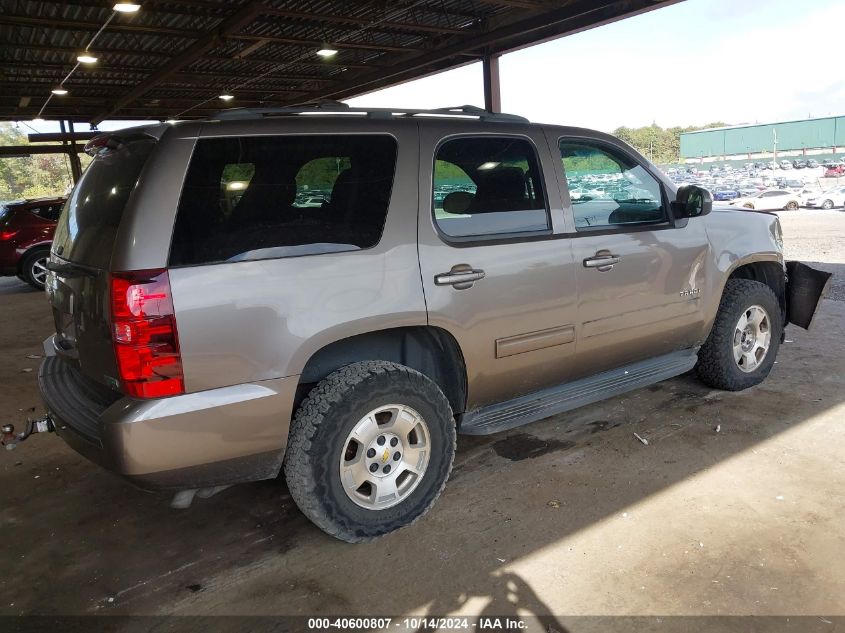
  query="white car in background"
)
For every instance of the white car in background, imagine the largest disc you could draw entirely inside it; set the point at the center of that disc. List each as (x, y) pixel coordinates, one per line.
(769, 200)
(827, 199)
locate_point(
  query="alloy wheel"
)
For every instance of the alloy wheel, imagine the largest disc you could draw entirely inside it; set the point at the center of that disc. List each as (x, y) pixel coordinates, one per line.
(38, 271)
(752, 338)
(385, 456)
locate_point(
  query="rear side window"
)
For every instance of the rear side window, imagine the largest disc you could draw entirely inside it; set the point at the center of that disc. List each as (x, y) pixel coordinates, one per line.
(281, 196)
(48, 212)
(488, 186)
(87, 227)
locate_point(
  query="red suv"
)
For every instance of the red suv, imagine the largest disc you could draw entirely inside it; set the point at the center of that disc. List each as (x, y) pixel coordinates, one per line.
(26, 232)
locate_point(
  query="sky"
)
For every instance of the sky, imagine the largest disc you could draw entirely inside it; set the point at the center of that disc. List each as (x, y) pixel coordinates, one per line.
(696, 62)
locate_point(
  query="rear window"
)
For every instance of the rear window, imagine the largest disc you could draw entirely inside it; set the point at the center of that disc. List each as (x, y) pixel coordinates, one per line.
(88, 224)
(283, 196)
(48, 211)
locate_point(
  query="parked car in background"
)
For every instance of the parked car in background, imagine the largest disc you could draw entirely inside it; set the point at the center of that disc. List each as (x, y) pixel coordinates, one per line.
(834, 170)
(311, 203)
(769, 200)
(26, 232)
(799, 164)
(826, 199)
(791, 183)
(747, 189)
(722, 194)
(812, 164)
(785, 164)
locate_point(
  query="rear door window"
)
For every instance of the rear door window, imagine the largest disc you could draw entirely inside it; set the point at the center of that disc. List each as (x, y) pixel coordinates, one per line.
(488, 187)
(265, 197)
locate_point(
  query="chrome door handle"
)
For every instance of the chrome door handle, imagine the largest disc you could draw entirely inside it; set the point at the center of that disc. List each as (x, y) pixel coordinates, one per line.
(461, 276)
(602, 261)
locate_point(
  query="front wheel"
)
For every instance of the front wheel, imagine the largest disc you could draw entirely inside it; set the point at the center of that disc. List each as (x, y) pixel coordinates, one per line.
(827, 205)
(370, 450)
(744, 341)
(791, 205)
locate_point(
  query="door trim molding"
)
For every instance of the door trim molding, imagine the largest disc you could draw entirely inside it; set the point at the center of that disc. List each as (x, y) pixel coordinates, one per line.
(532, 341)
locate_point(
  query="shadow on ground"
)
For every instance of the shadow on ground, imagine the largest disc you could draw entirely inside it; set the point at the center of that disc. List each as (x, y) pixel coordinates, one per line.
(80, 541)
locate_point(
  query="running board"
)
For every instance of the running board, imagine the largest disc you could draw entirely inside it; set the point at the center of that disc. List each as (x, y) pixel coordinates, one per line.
(542, 404)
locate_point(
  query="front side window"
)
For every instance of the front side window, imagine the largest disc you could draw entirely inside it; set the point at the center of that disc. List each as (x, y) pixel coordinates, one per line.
(488, 186)
(282, 196)
(608, 188)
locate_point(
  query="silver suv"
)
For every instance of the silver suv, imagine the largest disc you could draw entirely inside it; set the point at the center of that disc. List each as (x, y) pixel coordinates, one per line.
(214, 325)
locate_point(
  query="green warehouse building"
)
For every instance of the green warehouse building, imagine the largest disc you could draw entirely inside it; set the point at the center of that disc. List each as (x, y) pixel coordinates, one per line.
(819, 138)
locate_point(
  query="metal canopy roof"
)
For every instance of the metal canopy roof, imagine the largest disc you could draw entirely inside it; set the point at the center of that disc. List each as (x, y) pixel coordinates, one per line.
(174, 58)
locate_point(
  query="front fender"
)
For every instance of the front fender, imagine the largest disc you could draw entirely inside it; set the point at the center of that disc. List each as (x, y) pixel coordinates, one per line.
(738, 238)
(805, 288)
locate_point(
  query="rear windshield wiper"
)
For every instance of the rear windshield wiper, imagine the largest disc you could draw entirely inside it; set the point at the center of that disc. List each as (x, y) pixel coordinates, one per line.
(70, 269)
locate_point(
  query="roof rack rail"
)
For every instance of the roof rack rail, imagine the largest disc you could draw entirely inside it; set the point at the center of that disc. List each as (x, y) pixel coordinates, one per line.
(336, 107)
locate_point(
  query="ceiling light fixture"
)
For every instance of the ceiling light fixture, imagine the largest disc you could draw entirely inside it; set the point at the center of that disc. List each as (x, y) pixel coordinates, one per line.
(60, 91)
(126, 7)
(227, 97)
(86, 58)
(327, 51)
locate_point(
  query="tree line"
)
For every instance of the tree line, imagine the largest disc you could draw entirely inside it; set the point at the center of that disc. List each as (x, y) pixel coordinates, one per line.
(660, 145)
(32, 176)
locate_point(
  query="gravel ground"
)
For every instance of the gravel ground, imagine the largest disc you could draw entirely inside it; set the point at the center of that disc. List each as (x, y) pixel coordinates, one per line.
(817, 238)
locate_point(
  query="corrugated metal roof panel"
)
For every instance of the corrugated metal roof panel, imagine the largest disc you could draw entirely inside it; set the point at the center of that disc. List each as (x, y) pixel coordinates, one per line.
(379, 43)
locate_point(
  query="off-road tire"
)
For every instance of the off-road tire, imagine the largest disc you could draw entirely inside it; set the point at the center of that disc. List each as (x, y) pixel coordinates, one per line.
(716, 366)
(26, 267)
(323, 422)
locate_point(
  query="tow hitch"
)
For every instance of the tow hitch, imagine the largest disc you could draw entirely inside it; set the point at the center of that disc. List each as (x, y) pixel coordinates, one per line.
(11, 440)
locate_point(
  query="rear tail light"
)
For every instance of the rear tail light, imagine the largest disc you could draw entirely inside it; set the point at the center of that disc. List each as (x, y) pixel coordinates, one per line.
(7, 235)
(146, 344)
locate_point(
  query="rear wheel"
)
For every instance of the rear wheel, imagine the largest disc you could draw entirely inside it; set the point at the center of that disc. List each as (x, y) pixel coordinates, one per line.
(34, 268)
(370, 450)
(791, 205)
(744, 341)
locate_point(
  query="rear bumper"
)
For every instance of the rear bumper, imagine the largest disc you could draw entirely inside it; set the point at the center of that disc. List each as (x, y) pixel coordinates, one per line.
(8, 259)
(209, 438)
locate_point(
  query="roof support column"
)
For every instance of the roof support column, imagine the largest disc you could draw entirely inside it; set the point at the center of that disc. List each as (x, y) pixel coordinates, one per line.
(75, 164)
(492, 91)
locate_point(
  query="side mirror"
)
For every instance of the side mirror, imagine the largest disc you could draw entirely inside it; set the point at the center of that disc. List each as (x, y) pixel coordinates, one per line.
(692, 201)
